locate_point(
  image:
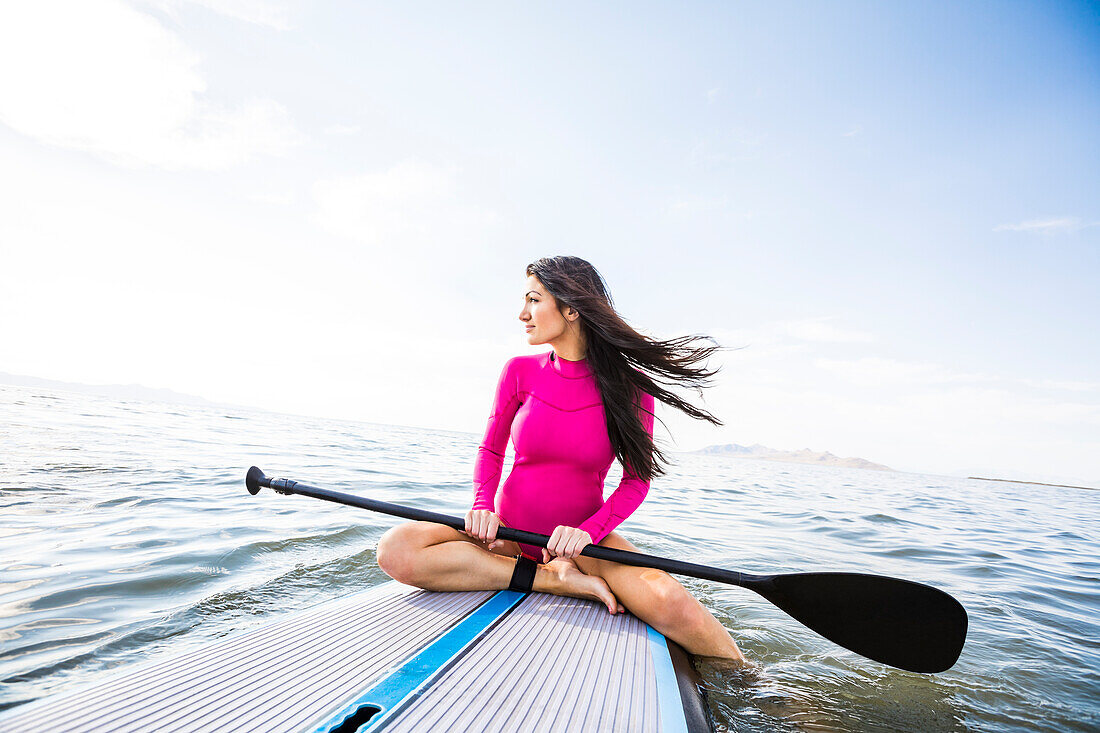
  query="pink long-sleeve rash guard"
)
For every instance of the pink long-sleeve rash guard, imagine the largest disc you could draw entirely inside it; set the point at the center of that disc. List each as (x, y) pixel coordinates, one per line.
(554, 414)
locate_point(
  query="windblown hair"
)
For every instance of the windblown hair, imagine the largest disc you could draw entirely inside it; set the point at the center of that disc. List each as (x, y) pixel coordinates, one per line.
(623, 359)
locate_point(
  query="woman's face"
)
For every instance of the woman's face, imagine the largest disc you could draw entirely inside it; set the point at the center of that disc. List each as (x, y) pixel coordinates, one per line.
(540, 314)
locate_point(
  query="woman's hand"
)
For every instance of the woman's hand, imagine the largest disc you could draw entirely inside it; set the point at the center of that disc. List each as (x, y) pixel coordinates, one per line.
(483, 524)
(566, 542)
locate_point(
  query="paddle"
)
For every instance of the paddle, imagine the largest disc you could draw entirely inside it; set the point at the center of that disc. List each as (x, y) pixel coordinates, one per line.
(897, 622)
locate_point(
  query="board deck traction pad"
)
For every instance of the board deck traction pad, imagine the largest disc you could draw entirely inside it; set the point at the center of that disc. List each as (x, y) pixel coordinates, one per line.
(397, 658)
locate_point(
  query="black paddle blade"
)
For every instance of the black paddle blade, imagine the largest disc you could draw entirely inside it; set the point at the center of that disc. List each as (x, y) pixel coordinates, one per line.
(897, 622)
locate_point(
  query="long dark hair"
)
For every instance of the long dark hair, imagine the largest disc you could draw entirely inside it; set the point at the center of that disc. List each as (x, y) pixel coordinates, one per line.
(620, 358)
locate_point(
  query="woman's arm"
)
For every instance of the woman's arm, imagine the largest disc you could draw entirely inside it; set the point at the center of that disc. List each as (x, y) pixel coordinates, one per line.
(629, 494)
(490, 454)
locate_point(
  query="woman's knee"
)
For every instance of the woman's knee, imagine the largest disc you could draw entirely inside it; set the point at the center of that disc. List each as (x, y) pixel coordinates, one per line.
(602, 568)
(617, 541)
(398, 546)
(672, 605)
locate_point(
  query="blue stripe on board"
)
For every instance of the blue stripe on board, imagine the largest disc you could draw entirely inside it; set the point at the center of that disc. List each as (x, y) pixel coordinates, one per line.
(669, 704)
(390, 693)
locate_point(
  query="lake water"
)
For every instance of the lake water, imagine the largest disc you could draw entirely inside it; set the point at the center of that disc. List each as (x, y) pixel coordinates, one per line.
(126, 534)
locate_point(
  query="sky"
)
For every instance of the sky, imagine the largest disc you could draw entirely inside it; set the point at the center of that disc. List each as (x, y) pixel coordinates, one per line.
(887, 214)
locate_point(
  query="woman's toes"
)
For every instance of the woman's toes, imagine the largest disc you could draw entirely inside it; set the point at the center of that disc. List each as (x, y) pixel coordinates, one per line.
(608, 598)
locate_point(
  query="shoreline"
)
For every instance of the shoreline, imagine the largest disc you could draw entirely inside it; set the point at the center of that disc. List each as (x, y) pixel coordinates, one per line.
(1033, 483)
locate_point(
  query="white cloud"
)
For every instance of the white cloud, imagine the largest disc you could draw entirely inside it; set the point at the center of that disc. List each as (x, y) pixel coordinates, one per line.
(877, 371)
(788, 335)
(410, 206)
(339, 129)
(259, 12)
(853, 132)
(1064, 385)
(737, 144)
(274, 198)
(874, 371)
(107, 79)
(107, 279)
(786, 388)
(824, 330)
(698, 205)
(955, 397)
(753, 344)
(712, 94)
(1049, 225)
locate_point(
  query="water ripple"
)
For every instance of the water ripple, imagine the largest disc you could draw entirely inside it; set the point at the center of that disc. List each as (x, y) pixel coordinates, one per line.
(126, 535)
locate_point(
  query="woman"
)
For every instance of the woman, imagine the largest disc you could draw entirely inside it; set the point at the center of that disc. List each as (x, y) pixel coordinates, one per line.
(564, 447)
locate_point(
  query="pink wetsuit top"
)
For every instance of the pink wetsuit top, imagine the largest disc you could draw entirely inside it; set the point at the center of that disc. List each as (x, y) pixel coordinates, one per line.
(554, 414)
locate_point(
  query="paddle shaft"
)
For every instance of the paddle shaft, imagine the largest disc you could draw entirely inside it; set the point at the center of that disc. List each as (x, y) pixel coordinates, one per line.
(626, 557)
(897, 622)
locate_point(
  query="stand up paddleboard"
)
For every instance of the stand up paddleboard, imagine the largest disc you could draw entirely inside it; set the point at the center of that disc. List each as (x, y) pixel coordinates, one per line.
(397, 658)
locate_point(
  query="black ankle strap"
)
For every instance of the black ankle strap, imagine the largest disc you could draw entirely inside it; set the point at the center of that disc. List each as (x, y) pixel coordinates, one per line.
(523, 577)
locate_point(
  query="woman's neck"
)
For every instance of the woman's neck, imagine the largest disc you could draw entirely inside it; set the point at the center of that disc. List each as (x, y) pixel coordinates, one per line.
(570, 351)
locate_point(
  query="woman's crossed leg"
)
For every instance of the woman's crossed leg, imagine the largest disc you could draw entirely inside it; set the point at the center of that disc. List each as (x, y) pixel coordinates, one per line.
(437, 557)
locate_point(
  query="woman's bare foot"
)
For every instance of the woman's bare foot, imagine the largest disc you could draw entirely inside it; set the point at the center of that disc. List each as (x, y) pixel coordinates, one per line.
(569, 580)
(737, 672)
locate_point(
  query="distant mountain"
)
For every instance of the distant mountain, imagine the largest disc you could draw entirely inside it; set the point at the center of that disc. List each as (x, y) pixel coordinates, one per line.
(116, 391)
(805, 455)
